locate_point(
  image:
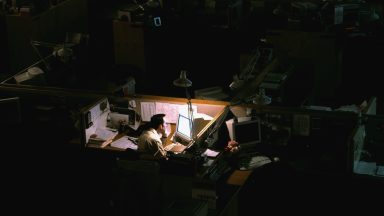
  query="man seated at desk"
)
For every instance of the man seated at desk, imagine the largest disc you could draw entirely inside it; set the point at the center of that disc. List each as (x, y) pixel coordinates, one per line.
(153, 136)
(154, 141)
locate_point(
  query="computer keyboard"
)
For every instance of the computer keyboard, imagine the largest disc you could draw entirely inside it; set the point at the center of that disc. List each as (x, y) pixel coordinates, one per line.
(251, 161)
(168, 147)
(175, 147)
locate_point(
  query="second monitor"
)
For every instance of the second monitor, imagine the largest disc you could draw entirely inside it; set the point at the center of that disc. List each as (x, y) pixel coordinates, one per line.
(247, 133)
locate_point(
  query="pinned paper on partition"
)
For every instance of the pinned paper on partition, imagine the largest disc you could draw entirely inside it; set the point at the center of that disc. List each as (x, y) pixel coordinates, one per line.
(132, 103)
(229, 124)
(339, 14)
(148, 109)
(172, 110)
(301, 125)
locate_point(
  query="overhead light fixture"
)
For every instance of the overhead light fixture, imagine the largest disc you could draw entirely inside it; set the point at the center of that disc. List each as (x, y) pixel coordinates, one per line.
(236, 83)
(183, 81)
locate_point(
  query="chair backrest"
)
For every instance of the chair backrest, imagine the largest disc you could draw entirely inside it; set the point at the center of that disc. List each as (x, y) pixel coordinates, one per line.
(138, 187)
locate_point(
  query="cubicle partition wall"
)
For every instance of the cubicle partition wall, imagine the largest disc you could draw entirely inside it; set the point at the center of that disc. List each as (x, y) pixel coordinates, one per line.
(367, 144)
(92, 117)
(49, 119)
(50, 73)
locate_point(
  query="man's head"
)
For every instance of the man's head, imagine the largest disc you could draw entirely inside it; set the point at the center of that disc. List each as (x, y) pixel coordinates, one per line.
(158, 121)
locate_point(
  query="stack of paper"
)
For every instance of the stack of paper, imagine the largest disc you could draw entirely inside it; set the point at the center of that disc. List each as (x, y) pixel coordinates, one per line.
(102, 135)
(124, 143)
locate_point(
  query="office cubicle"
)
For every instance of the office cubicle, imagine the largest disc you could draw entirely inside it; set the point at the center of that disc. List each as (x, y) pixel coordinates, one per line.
(311, 141)
(143, 107)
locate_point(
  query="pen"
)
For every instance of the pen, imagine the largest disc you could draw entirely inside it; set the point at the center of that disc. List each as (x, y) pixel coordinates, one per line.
(111, 129)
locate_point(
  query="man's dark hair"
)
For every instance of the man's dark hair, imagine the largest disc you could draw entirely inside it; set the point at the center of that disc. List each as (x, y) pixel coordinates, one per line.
(156, 120)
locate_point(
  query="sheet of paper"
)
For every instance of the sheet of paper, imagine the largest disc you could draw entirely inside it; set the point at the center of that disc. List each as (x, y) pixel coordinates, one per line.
(203, 116)
(229, 124)
(339, 15)
(349, 108)
(170, 110)
(244, 119)
(211, 153)
(183, 109)
(148, 109)
(124, 143)
(105, 133)
(301, 124)
(380, 171)
(132, 103)
(367, 168)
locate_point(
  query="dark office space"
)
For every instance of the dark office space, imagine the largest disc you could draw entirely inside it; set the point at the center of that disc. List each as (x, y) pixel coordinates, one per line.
(300, 76)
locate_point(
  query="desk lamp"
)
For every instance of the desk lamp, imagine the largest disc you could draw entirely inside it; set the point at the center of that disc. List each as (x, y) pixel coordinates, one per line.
(184, 82)
(61, 51)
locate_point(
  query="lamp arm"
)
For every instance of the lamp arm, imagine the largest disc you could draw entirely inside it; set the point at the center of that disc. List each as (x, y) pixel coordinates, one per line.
(188, 94)
(34, 44)
(190, 116)
(43, 44)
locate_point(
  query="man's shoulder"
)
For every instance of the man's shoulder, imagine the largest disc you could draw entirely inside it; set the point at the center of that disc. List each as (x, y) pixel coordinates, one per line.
(147, 133)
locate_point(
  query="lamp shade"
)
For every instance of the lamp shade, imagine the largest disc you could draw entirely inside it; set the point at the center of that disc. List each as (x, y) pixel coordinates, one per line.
(182, 81)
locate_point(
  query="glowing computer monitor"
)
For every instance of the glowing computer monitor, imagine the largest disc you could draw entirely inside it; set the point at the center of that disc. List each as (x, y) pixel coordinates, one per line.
(183, 131)
(247, 133)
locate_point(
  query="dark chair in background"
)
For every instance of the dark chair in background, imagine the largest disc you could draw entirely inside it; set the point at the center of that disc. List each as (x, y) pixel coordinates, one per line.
(138, 187)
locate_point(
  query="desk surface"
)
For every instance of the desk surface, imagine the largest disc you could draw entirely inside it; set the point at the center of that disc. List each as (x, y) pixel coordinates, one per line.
(110, 148)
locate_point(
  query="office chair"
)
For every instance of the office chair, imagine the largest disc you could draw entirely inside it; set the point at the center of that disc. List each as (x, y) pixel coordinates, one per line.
(138, 187)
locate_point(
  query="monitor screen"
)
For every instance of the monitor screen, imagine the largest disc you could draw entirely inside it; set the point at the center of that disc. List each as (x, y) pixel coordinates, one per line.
(247, 133)
(183, 128)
